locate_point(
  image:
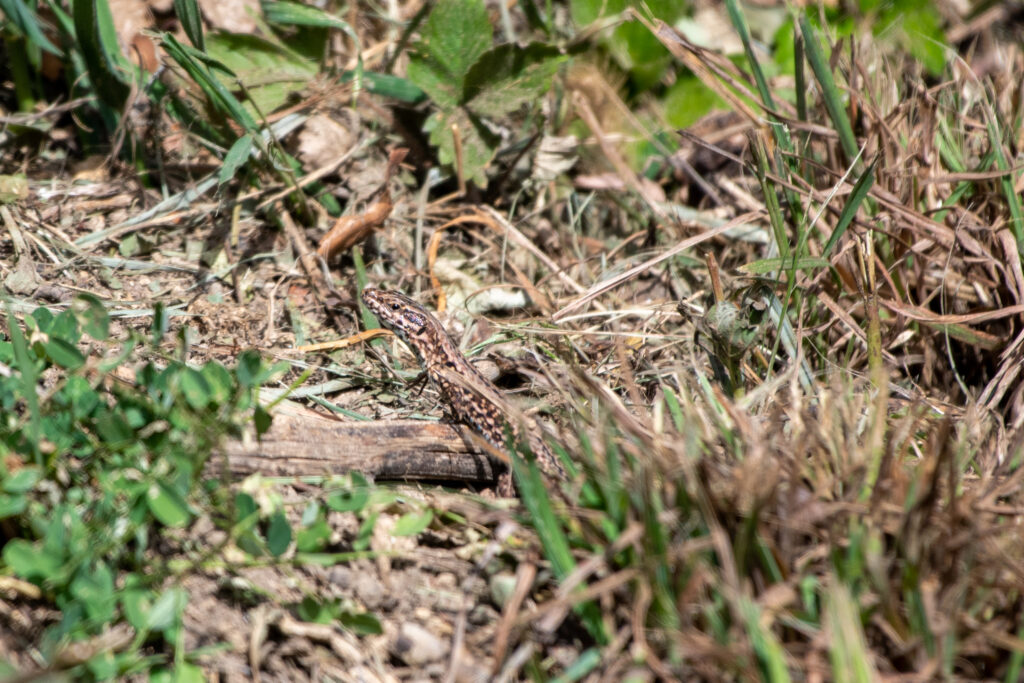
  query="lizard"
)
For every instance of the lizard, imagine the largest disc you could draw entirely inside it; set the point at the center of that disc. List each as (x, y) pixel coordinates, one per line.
(471, 397)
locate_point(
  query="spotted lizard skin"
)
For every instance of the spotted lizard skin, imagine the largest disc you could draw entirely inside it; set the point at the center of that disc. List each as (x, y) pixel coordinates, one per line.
(471, 397)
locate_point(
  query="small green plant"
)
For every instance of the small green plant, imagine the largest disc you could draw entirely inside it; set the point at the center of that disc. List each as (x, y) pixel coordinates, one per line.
(94, 468)
(470, 81)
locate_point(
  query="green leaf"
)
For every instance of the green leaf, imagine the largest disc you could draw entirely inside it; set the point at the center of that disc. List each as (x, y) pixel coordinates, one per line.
(138, 605)
(362, 624)
(167, 505)
(114, 429)
(350, 500)
(246, 511)
(455, 35)
(191, 21)
(64, 354)
(250, 370)
(505, 78)
(413, 523)
(261, 418)
(26, 366)
(23, 480)
(94, 30)
(183, 672)
(11, 505)
(830, 94)
(92, 316)
(269, 71)
(478, 143)
(219, 382)
(27, 23)
(95, 590)
(161, 322)
(167, 610)
(313, 538)
(294, 14)
(236, 157)
(197, 64)
(195, 388)
(29, 562)
(689, 99)
(279, 534)
(362, 540)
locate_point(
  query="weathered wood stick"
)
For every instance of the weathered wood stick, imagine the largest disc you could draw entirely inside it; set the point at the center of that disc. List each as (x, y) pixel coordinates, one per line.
(299, 446)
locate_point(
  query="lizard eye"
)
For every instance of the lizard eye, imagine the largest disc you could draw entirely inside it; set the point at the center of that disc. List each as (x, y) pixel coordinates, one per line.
(395, 306)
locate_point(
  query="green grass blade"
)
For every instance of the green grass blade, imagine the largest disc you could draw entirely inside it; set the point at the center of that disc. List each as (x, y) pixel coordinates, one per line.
(1008, 180)
(98, 42)
(556, 546)
(27, 23)
(829, 92)
(770, 656)
(848, 650)
(198, 66)
(191, 21)
(740, 24)
(860, 191)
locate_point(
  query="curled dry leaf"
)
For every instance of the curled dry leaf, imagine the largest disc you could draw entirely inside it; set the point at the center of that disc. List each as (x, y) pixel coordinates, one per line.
(350, 230)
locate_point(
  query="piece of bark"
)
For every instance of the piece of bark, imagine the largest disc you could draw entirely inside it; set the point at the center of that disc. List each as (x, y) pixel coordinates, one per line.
(299, 446)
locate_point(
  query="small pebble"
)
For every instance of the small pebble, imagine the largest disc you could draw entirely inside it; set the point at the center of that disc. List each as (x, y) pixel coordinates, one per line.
(416, 646)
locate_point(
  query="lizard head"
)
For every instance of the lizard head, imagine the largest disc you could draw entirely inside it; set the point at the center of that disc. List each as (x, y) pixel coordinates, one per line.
(400, 314)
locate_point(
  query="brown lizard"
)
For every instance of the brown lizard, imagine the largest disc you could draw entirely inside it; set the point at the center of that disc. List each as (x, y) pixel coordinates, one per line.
(472, 398)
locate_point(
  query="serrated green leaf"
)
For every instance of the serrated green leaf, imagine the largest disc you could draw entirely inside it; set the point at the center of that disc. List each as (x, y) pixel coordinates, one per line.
(198, 66)
(478, 143)
(505, 78)
(413, 523)
(455, 35)
(279, 534)
(167, 505)
(269, 71)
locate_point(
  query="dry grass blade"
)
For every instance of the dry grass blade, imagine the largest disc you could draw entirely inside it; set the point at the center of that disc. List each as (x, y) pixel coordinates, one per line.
(602, 287)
